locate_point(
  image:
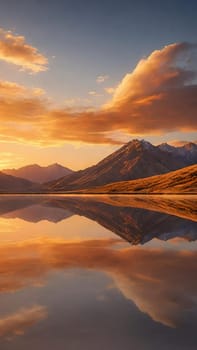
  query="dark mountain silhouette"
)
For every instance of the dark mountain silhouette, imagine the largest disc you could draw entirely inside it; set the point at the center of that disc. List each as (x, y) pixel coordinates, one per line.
(136, 159)
(9, 183)
(39, 174)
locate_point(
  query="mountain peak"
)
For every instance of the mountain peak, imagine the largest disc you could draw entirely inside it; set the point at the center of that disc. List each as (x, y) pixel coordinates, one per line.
(189, 146)
(139, 144)
(55, 165)
(147, 144)
(166, 147)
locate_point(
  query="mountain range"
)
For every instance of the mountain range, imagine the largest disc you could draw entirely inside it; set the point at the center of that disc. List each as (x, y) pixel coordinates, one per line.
(39, 174)
(135, 160)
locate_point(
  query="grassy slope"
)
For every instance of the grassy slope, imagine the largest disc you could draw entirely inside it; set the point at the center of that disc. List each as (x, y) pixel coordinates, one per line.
(180, 181)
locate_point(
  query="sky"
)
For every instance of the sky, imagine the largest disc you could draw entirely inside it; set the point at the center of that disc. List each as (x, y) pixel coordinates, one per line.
(80, 78)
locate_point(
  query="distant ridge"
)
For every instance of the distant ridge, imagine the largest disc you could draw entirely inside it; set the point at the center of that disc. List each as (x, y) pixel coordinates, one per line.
(39, 174)
(136, 159)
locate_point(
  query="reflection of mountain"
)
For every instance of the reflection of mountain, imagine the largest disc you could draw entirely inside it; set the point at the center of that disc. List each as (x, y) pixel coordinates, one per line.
(33, 209)
(11, 203)
(136, 225)
(39, 212)
(182, 206)
(130, 218)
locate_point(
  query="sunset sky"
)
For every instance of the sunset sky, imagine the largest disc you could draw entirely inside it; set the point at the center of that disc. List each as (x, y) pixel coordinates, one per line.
(80, 78)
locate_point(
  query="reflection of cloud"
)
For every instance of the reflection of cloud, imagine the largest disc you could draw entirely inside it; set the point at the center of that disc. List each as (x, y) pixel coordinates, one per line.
(17, 323)
(14, 49)
(158, 96)
(152, 278)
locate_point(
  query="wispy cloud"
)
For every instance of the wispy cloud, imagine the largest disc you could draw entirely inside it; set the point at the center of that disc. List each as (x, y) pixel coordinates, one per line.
(14, 90)
(102, 78)
(14, 49)
(94, 93)
(77, 103)
(110, 90)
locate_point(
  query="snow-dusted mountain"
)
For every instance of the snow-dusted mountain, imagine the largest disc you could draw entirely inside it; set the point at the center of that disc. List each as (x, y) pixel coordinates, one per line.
(187, 152)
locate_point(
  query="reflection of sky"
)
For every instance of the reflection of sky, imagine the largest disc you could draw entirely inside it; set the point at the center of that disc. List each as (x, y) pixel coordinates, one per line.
(77, 285)
(73, 228)
(102, 298)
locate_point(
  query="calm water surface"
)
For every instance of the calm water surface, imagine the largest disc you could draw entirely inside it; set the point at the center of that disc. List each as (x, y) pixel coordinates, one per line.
(92, 272)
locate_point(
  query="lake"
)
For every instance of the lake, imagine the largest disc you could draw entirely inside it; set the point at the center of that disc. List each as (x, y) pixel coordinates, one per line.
(91, 272)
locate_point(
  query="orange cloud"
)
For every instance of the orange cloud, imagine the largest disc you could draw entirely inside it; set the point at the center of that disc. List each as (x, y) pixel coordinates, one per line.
(14, 90)
(158, 72)
(11, 88)
(159, 96)
(14, 49)
(21, 111)
(17, 323)
(152, 278)
(178, 143)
